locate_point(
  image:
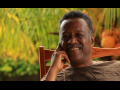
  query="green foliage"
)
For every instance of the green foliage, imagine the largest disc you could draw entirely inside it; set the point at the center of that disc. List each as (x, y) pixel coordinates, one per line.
(23, 30)
(96, 59)
(11, 68)
(107, 19)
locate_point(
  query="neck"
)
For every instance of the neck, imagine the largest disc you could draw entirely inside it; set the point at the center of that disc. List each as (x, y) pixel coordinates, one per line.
(85, 64)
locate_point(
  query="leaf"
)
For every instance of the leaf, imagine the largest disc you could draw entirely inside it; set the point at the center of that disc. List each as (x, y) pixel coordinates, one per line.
(114, 15)
(118, 12)
(101, 20)
(6, 68)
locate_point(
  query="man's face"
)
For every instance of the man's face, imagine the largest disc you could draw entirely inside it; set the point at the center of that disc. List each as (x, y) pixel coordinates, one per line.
(75, 39)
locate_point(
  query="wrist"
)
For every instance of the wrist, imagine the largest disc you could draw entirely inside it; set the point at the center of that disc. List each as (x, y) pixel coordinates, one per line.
(55, 69)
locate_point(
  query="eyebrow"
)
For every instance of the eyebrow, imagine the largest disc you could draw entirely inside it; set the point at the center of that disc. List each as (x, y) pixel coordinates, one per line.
(65, 32)
(74, 31)
(78, 31)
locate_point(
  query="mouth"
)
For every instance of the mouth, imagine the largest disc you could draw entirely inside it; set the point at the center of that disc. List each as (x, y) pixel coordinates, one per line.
(74, 51)
(74, 48)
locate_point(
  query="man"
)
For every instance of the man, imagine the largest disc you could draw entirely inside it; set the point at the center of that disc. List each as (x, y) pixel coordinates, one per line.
(76, 40)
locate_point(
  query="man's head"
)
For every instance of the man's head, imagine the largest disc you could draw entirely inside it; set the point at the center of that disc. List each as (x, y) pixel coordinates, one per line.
(78, 14)
(76, 36)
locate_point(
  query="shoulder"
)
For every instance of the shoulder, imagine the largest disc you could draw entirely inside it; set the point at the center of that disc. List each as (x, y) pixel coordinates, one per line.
(106, 63)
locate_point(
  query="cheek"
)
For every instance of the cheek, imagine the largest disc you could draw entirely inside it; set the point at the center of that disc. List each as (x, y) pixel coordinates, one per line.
(85, 42)
(87, 46)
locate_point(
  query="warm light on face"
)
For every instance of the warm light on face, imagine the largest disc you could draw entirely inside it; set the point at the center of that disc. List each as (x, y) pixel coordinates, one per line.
(75, 39)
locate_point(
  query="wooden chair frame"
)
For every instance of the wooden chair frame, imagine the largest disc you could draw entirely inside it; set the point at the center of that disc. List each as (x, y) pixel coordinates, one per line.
(45, 55)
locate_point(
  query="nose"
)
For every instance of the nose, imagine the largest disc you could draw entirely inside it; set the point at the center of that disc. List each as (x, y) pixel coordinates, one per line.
(72, 40)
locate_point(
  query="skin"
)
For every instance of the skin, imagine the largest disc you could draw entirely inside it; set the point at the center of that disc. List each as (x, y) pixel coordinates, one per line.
(75, 46)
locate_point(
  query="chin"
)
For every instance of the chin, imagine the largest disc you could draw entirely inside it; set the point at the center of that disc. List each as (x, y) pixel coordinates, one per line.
(75, 59)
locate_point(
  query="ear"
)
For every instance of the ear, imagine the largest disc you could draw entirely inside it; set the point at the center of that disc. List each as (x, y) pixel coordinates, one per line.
(92, 41)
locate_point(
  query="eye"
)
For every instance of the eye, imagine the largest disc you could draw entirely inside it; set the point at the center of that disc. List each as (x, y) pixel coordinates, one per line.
(79, 35)
(65, 36)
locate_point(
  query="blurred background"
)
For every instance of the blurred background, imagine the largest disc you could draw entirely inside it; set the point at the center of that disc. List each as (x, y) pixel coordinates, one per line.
(23, 30)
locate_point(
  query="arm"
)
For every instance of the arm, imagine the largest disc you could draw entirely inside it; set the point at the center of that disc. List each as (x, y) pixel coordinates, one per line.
(56, 64)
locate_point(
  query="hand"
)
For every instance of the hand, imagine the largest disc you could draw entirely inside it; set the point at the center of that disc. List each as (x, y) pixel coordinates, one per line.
(56, 64)
(56, 61)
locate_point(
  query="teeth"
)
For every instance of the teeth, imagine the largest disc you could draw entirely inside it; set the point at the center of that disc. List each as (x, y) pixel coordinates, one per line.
(74, 48)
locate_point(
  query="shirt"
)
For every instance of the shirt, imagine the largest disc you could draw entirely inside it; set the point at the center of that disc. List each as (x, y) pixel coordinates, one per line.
(100, 71)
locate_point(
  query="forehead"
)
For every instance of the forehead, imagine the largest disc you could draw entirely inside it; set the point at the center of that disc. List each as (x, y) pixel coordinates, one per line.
(73, 23)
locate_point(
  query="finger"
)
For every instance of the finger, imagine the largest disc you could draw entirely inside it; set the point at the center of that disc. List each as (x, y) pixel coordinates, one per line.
(63, 62)
(66, 58)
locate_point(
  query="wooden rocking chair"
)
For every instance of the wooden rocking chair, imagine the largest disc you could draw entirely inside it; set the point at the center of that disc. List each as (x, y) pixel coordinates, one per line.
(45, 55)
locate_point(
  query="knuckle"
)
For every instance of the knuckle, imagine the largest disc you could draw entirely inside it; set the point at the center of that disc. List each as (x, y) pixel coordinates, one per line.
(57, 54)
(53, 54)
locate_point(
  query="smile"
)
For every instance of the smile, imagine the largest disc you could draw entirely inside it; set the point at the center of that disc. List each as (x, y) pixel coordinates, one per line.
(74, 49)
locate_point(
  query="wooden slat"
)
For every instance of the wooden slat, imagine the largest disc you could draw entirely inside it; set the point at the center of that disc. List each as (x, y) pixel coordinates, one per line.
(101, 52)
(48, 54)
(42, 61)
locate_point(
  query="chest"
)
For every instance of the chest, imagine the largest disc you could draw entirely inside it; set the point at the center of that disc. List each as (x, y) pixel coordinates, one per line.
(94, 74)
(107, 73)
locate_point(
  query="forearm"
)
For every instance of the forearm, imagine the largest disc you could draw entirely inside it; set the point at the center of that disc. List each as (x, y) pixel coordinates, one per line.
(56, 64)
(51, 74)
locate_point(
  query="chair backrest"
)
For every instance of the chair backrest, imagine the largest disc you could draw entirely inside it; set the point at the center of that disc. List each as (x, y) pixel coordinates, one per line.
(45, 55)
